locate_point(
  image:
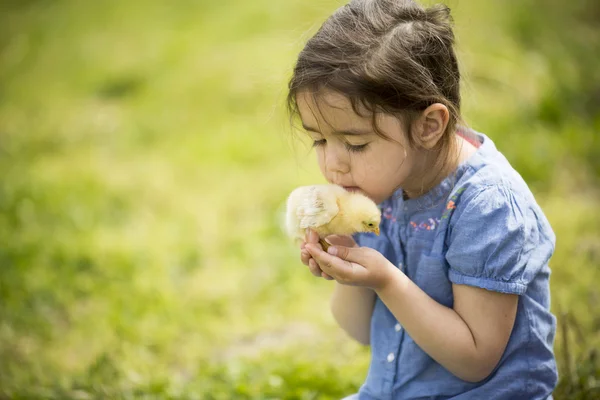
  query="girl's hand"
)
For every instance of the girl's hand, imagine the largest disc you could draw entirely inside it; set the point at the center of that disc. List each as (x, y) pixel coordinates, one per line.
(355, 266)
(313, 238)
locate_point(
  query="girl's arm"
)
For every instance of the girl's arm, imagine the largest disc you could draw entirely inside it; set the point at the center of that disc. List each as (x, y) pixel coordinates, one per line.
(352, 307)
(468, 339)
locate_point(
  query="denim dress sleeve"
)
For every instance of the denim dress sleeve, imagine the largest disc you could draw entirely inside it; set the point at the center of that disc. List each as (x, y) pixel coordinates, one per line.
(490, 238)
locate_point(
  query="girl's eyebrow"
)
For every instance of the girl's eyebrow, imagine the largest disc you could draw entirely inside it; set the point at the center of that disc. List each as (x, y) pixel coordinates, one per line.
(345, 132)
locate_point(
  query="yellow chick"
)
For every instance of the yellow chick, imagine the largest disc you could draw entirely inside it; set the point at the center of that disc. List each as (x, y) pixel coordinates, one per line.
(330, 210)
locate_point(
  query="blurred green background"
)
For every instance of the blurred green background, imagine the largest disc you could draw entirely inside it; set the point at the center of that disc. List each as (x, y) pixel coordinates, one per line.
(145, 156)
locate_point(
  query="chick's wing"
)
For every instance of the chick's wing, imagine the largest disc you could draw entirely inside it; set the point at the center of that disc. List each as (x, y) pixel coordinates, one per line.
(311, 207)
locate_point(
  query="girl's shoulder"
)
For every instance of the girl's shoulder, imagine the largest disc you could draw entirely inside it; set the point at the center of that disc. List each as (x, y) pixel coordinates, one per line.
(488, 177)
(497, 236)
(491, 196)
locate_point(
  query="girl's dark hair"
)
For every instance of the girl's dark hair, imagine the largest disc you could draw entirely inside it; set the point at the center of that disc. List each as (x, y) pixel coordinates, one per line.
(390, 56)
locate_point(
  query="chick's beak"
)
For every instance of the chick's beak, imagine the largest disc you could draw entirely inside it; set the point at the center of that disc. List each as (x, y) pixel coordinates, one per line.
(376, 231)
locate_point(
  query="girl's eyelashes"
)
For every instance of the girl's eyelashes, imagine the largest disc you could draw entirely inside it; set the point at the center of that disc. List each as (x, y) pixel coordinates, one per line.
(350, 147)
(356, 148)
(318, 143)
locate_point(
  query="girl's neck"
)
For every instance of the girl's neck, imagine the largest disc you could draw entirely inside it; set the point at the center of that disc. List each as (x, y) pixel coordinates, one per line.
(432, 175)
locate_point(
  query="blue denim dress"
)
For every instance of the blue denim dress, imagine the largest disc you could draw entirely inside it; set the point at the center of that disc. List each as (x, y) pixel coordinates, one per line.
(480, 227)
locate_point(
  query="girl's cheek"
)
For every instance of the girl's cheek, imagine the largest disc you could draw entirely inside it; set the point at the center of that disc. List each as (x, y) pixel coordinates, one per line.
(322, 160)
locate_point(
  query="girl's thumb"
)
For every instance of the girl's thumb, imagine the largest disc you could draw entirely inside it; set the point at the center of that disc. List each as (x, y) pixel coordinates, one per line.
(352, 254)
(346, 241)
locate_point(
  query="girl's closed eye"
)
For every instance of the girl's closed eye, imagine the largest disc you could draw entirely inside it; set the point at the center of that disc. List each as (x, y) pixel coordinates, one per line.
(355, 148)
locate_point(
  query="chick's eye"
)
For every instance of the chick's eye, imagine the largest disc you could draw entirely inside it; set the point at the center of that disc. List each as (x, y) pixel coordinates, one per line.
(370, 224)
(318, 143)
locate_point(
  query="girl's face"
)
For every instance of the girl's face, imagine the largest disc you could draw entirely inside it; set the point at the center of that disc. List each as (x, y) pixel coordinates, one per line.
(350, 153)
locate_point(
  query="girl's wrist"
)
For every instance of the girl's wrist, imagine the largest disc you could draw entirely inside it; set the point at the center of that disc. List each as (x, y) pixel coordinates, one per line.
(395, 282)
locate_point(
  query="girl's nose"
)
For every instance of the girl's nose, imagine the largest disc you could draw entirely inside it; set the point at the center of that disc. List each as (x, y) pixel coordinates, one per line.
(337, 160)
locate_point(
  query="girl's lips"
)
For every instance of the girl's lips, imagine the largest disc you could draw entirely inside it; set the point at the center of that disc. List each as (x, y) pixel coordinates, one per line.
(352, 188)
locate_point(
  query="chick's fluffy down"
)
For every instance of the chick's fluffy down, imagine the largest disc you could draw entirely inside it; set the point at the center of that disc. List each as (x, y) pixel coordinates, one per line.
(329, 210)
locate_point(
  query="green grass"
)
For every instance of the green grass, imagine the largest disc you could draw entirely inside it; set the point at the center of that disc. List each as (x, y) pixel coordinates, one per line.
(129, 267)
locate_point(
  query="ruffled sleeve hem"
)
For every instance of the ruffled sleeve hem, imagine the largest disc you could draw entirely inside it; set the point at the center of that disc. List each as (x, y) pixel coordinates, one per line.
(487, 283)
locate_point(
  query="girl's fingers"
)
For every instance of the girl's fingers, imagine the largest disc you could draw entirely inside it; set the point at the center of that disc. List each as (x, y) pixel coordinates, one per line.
(331, 265)
(311, 236)
(339, 240)
(314, 237)
(316, 271)
(305, 256)
(314, 268)
(359, 255)
(324, 275)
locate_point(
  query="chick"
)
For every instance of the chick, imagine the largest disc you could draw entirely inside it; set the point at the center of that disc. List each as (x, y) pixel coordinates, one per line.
(330, 210)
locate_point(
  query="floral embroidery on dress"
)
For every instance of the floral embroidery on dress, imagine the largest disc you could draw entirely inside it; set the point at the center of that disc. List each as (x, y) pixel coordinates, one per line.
(431, 223)
(428, 225)
(452, 203)
(387, 214)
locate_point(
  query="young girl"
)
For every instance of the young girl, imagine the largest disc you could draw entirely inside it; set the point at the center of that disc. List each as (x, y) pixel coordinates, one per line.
(453, 296)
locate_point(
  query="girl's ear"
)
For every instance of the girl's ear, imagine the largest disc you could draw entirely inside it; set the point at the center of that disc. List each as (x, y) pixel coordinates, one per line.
(431, 125)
